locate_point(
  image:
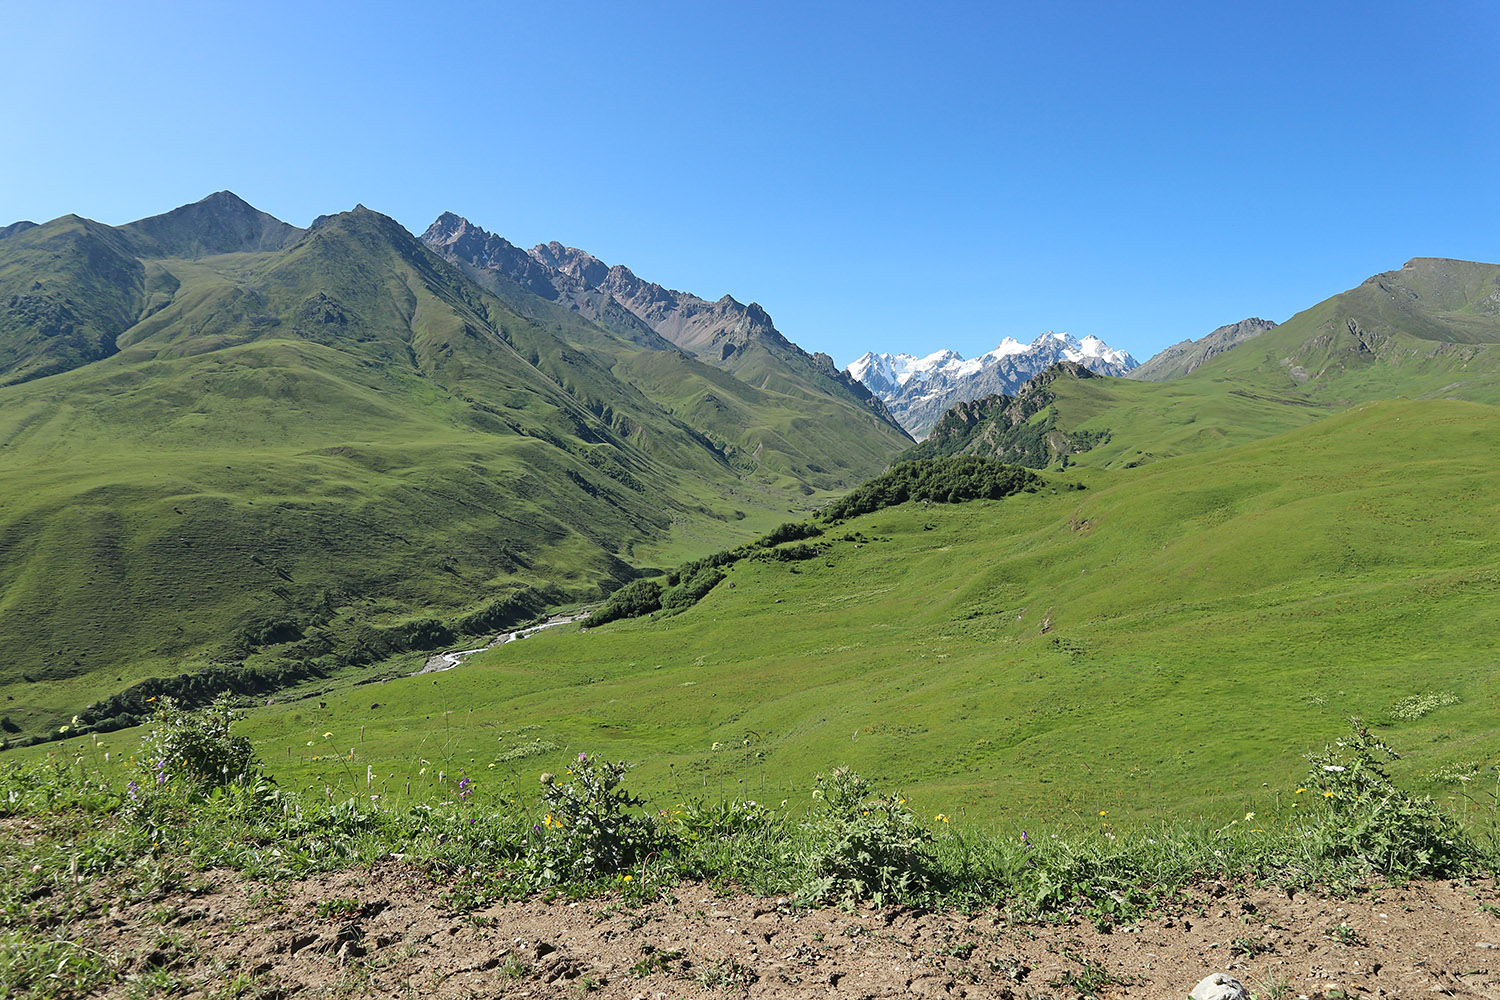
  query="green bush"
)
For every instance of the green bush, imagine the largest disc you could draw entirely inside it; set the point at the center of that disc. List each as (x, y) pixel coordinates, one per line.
(692, 590)
(195, 749)
(636, 598)
(937, 480)
(1369, 819)
(591, 825)
(863, 846)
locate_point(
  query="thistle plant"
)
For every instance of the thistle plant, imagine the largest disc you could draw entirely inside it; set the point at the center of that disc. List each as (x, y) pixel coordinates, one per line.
(863, 845)
(591, 826)
(195, 748)
(1368, 818)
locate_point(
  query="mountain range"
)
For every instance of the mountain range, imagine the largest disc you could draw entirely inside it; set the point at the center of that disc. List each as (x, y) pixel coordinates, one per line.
(919, 390)
(233, 446)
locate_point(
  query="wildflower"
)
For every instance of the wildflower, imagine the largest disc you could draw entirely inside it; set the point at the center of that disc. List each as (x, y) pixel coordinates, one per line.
(941, 817)
(1103, 812)
(627, 878)
(1299, 791)
(1024, 841)
(134, 788)
(465, 789)
(327, 735)
(1333, 767)
(1249, 816)
(150, 699)
(1327, 795)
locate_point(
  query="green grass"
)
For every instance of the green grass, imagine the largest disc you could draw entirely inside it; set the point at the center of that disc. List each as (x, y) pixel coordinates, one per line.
(1167, 642)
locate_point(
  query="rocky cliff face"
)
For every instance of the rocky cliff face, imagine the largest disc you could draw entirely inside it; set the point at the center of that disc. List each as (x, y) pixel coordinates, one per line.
(918, 391)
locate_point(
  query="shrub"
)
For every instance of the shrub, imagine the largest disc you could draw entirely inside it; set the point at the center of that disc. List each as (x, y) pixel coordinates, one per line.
(692, 590)
(1369, 819)
(863, 846)
(636, 598)
(938, 480)
(590, 825)
(196, 748)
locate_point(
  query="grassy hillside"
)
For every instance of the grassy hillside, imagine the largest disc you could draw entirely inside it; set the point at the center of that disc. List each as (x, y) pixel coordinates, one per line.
(306, 459)
(1164, 641)
(769, 409)
(1431, 329)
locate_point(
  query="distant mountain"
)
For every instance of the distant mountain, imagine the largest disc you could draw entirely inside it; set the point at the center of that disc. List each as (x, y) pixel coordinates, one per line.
(1008, 428)
(919, 390)
(1183, 357)
(221, 223)
(725, 333)
(16, 227)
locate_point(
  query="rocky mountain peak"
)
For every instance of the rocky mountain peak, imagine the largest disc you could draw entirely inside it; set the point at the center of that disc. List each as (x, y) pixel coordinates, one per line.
(918, 390)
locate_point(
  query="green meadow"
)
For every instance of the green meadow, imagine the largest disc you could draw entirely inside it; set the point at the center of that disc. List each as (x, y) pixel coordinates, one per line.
(1170, 640)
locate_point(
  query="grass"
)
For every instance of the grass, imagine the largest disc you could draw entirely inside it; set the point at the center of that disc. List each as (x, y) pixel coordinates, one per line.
(1014, 661)
(147, 846)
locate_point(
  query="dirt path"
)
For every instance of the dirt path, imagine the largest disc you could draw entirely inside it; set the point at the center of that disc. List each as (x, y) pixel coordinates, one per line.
(385, 932)
(449, 660)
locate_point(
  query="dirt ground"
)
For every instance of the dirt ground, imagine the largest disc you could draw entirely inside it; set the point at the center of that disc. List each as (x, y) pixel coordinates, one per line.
(385, 933)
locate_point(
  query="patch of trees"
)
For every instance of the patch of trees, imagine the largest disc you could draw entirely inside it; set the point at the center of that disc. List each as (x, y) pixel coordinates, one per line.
(135, 704)
(936, 480)
(689, 583)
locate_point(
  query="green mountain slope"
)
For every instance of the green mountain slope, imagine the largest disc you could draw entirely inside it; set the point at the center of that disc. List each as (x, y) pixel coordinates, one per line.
(1429, 329)
(297, 460)
(1161, 642)
(723, 336)
(67, 290)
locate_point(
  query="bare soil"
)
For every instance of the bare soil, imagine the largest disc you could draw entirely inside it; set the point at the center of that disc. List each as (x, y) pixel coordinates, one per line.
(386, 933)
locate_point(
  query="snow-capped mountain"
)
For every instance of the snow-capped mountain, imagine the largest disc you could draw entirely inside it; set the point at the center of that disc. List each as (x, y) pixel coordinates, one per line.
(919, 390)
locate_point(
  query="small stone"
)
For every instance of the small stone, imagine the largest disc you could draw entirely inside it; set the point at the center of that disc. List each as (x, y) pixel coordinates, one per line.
(1486, 944)
(1219, 986)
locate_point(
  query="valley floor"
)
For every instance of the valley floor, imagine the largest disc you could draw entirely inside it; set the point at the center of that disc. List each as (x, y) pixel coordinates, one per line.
(385, 932)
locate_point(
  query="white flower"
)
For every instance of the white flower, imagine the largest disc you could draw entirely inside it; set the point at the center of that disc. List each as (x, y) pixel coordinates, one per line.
(1333, 767)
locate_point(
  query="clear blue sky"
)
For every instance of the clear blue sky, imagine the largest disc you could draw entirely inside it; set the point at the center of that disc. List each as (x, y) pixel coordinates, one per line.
(877, 175)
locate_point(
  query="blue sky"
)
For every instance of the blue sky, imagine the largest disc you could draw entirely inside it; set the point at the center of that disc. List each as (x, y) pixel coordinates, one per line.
(877, 175)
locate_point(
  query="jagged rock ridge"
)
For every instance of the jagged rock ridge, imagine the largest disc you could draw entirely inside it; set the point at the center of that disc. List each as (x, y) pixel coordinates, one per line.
(1186, 355)
(738, 337)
